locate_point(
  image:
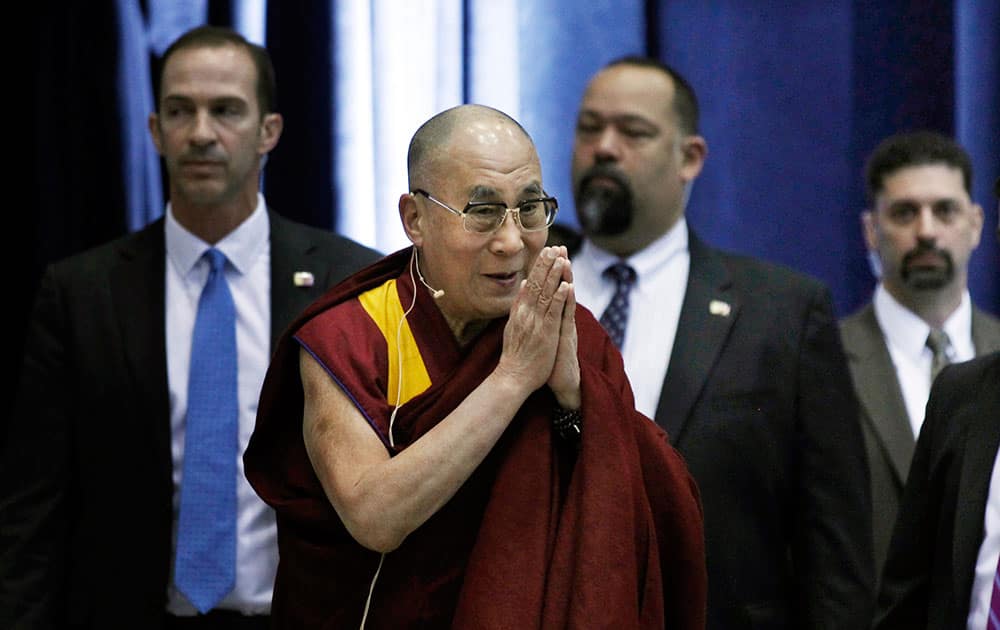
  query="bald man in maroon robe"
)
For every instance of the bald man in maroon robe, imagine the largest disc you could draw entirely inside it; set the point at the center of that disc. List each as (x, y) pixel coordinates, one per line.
(449, 440)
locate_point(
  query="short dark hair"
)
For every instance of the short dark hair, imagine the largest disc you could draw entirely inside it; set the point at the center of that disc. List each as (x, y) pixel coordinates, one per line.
(685, 101)
(914, 148)
(208, 36)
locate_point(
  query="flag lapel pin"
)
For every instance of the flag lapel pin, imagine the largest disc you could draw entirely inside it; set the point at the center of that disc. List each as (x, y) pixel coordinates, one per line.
(720, 308)
(303, 279)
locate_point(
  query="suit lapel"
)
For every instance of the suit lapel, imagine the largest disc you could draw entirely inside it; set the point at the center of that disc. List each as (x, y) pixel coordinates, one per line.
(709, 310)
(980, 448)
(138, 295)
(985, 333)
(878, 389)
(291, 252)
(137, 285)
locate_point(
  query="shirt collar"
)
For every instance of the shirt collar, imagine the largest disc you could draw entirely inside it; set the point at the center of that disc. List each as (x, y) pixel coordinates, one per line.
(646, 261)
(241, 246)
(906, 331)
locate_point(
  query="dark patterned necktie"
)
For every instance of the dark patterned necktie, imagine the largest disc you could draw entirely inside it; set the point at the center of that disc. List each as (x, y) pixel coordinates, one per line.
(938, 342)
(615, 317)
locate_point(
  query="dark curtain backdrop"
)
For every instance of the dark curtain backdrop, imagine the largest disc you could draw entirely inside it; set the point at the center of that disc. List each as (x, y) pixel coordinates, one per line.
(297, 177)
(794, 95)
(64, 190)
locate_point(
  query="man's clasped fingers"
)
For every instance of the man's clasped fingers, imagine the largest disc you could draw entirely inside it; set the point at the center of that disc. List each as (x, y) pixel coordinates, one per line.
(545, 277)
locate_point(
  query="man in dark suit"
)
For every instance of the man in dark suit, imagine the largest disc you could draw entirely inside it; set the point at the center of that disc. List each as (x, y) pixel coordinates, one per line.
(942, 556)
(921, 227)
(943, 552)
(739, 360)
(91, 481)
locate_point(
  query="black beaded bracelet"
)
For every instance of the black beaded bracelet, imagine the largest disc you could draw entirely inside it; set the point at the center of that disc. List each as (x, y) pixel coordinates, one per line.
(568, 424)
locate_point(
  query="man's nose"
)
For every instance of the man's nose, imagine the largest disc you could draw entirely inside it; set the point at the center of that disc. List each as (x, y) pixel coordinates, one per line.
(508, 238)
(204, 131)
(927, 223)
(608, 145)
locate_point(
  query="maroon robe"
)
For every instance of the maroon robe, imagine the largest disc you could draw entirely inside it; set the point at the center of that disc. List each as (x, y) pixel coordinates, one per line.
(542, 535)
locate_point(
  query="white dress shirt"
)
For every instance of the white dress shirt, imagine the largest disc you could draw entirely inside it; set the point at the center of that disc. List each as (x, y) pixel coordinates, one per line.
(989, 552)
(906, 336)
(248, 272)
(654, 305)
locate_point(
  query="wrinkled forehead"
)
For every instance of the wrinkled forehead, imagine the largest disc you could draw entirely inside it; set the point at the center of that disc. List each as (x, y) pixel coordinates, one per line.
(490, 155)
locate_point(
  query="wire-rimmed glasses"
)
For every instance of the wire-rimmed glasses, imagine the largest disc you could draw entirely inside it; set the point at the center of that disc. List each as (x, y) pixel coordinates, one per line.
(485, 217)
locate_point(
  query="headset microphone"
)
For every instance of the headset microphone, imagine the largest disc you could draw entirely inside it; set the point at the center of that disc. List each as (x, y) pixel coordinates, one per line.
(435, 293)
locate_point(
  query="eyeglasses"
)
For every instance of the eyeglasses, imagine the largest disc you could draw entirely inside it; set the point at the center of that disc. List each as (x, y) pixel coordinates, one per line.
(485, 217)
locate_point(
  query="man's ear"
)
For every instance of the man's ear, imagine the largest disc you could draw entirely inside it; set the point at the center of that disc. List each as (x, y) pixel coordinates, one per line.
(270, 132)
(977, 218)
(869, 230)
(694, 150)
(154, 131)
(411, 217)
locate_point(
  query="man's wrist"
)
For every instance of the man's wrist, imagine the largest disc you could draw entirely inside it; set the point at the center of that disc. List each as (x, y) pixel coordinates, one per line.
(568, 423)
(568, 401)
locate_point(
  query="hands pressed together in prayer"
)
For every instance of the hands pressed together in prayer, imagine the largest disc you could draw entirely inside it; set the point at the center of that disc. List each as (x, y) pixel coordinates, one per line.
(540, 342)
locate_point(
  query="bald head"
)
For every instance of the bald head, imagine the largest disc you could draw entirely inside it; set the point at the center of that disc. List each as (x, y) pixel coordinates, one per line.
(433, 139)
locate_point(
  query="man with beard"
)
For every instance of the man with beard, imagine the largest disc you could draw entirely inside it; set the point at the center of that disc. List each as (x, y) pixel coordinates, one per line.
(941, 569)
(921, 228)
(738, 359)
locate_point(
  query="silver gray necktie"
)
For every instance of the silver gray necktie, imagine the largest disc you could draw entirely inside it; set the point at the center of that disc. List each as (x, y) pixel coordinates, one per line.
(938, 342)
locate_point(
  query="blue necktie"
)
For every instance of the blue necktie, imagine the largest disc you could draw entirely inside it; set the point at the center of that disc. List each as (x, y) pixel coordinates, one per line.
(205, 566)
(615, 317)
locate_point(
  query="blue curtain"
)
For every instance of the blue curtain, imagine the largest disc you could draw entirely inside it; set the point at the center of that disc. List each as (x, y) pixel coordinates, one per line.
(297, 176)
(794, 95)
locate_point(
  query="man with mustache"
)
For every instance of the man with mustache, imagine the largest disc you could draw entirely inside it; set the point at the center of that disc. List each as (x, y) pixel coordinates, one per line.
(941, 569)
(921, 228)
(738, 359)
(103, 456)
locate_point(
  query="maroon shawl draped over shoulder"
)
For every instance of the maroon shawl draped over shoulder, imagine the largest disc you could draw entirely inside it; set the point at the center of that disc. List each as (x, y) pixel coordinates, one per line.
(542, 535)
